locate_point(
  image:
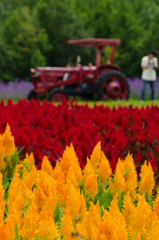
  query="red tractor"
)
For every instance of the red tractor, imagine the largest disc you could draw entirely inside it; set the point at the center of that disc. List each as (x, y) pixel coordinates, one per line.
(107, 80)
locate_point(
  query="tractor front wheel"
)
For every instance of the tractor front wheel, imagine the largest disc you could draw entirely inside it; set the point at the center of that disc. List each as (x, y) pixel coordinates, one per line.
(57, 95)
(112, 84)
(31, 95)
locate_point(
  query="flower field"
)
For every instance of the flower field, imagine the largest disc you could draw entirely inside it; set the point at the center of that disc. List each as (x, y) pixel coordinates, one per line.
(46, 130)
(67, 203)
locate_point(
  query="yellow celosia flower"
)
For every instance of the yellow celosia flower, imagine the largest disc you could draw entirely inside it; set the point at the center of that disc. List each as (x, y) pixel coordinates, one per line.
(130, 176)
(91, 185)
(147, 182)
(138, 237)
(67, 227)
(125, 179)
(57, 170)
(128, 209)
(16, 194)
(46, 166)
(2, 201)
(141, 218)
(30, 222)
(118, 186)
(47, 230)
(119, 220)
(61, 188)
(5, 232)
(7, 147)
(88, 229)
(44, 189)
(88, 170)
(48, 208)
(8, 142)
(28, 178)
(76, 203)
(29, 161)
(70, 176)
(96, 157)
(153, 230)
(107, 228)
(69, 159)
(104, 171)
(156, 206)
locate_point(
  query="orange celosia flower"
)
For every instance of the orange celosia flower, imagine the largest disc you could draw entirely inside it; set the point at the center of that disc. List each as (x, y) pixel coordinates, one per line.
(47, 230)
(130, 176)
(67, 227)
(57, 170)
(7, 147)
(76, 203)
(8, 142)
(70, 176)
(29, 161)
(46, 166)
(141, 218)
(91, 185)
(128, 209)
(88, 228)
(153, 230)
(96, 157)
(118, 186)
(125, 179)
(107, 228)
(119, 220)
(88, 170)
(30, 222)
(2, 202)
(48, 208)
(104, 171)
(44, 189)
(156, 206)
(28, 178)
(69, 159)
(147, 182)
(16, 194)
(5, 232)
(61, 187)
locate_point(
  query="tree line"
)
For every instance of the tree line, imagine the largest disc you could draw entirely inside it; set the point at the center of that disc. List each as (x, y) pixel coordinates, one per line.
(34, 33)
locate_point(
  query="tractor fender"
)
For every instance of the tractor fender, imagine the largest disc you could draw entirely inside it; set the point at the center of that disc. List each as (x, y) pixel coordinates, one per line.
(109, 67)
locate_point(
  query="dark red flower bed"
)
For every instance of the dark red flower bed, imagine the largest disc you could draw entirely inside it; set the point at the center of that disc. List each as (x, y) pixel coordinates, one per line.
(46, 130)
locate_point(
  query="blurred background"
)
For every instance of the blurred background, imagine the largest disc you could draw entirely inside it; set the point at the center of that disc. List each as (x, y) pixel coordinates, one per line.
(33, 33)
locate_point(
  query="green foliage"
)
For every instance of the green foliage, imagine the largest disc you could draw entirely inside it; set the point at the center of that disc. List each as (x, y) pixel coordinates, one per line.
(58, 213)
(33, 33)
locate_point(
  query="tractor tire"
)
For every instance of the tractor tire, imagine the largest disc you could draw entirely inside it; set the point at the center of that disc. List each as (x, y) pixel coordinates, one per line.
(112, 84)
(31, 95)
(57, 95)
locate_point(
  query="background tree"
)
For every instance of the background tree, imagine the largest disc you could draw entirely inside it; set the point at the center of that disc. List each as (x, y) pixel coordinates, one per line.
(34, 32)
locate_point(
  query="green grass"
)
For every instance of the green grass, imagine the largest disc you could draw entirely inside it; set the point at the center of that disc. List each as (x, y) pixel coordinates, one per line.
(111, 103)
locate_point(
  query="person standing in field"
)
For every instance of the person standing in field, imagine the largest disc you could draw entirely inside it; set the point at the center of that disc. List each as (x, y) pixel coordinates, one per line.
(149, 64)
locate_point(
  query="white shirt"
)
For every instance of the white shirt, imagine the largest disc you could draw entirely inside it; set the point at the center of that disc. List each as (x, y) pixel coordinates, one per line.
(149, 74)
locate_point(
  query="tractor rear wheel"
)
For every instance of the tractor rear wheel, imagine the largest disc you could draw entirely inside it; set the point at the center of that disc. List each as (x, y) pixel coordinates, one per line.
(31, 95)
(57, 95)
(112, 84)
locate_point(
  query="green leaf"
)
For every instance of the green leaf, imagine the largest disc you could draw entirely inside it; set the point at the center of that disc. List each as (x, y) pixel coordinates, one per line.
(14, 159)
(58, 213)
(105, 199)
(120, 201)
(16, 232)
(125, 173)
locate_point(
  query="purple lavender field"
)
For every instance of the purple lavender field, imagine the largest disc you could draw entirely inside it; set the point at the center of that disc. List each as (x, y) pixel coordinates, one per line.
(135, 88)
(15, 90)
(20, 89)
